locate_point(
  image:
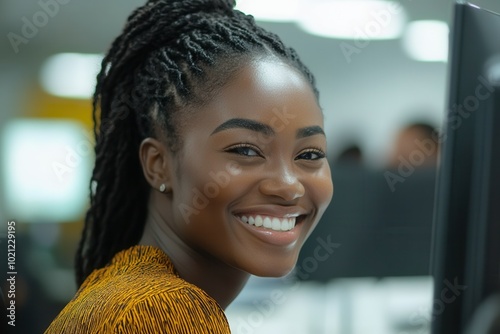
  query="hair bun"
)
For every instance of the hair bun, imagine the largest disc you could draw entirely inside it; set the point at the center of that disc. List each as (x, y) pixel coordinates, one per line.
(166, 20)
(185, 7)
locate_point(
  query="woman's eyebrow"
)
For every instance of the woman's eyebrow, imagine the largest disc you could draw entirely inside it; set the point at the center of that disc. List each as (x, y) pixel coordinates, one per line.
(309, 131)
(244, 123)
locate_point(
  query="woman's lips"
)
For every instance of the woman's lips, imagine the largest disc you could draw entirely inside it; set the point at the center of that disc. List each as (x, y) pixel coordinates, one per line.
(287, 234)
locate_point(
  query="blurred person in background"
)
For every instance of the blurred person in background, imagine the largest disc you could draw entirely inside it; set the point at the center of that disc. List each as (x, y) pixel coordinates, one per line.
(416, 145)
(210, 166)
(351, 155)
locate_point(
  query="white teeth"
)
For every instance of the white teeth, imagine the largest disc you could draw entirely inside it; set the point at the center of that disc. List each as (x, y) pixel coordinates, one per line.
(267, 222)
(274, 223)
(258, 221)
(285, 225)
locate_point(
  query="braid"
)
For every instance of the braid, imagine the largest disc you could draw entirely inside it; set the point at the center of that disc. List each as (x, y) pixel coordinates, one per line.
(172, 54)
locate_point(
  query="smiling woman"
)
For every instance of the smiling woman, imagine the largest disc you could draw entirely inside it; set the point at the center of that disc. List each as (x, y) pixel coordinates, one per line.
(210, 167)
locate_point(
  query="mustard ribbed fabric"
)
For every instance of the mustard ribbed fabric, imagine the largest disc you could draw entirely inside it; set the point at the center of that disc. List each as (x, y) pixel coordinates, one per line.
(139, 292)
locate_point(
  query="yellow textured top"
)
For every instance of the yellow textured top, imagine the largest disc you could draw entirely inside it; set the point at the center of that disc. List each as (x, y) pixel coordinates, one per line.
(139, 292)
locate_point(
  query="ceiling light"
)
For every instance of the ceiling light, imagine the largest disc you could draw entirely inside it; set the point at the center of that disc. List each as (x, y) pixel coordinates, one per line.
(265, 10)
(71, 75)
(427, 41)
(46, 169)
(353, 19)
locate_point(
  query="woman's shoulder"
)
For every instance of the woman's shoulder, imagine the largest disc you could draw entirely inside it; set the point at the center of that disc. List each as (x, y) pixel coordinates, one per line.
(186, 308)
(137, 271)
(146, 296)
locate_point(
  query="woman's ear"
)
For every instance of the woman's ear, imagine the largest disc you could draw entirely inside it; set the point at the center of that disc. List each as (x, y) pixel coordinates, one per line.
(156, 164)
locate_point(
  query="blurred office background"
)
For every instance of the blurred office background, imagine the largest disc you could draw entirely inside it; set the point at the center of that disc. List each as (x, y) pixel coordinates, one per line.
(380, 65)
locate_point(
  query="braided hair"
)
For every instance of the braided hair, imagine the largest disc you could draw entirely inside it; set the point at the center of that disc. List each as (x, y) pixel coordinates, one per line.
(171, 55)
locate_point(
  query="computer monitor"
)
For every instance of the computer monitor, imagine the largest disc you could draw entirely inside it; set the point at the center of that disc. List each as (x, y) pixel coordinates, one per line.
(466, 238)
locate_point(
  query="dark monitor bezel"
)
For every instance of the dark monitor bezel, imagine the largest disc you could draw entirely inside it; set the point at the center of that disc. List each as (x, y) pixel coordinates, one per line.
(466, 225)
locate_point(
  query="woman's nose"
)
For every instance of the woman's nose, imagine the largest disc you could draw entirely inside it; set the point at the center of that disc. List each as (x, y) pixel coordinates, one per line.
(283, 184)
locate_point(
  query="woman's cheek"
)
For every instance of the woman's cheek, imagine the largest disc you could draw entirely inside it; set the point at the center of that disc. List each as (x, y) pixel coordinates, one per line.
(218, 185)
(322, 188)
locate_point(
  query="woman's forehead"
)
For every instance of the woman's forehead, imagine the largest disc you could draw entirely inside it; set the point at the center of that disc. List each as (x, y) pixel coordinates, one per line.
(265, 87)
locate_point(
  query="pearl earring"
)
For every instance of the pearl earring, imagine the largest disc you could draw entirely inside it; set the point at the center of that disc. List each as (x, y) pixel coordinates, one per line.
(162, 187)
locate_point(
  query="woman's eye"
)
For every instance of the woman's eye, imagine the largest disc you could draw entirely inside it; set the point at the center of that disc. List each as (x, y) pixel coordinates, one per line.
(244, 150)
(311, 155)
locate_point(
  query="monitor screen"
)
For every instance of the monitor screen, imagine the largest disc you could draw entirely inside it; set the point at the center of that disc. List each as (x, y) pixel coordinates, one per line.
(466, 239)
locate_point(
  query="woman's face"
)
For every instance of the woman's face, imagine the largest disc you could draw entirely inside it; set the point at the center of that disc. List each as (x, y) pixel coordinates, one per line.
(252, 179)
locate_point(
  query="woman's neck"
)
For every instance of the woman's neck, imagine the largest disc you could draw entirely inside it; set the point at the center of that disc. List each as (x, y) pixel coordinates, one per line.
(221, 281)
